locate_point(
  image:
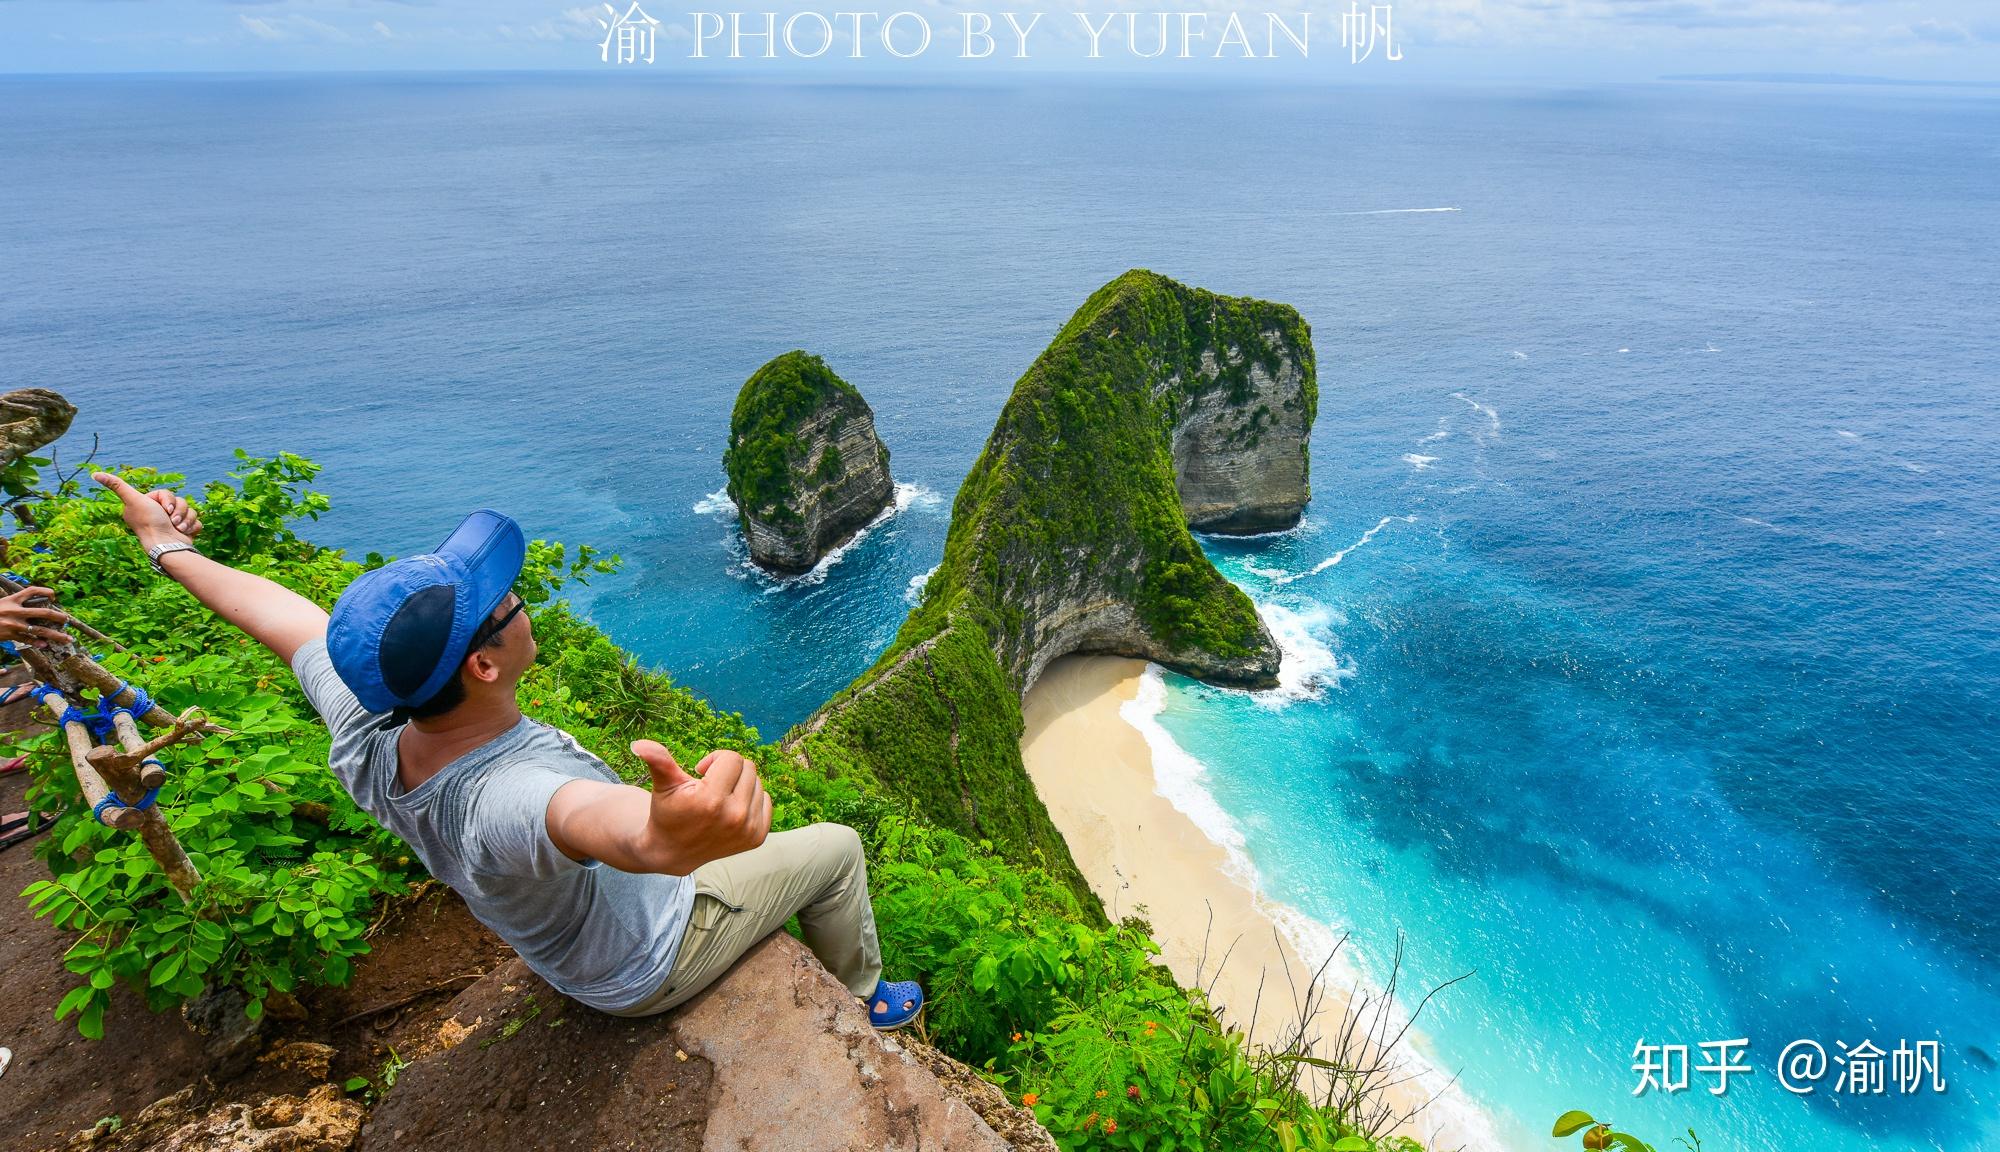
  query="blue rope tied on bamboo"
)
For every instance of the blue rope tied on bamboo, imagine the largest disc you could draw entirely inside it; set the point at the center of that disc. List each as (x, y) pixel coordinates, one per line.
(113, 800)
(101, 722)
(140, 705)
(103, 727)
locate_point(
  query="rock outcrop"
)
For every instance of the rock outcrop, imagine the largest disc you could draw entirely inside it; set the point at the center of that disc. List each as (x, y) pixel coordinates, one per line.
(776, 1056)
(1242, 457)
(31, 418)
(322, 1120)
(806, 469)
(1156, 407)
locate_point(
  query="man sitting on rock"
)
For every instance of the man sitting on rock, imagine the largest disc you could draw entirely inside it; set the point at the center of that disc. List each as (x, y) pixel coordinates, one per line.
(627, 900)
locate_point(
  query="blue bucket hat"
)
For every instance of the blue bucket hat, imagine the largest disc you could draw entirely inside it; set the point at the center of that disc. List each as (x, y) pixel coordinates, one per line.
(399, 632)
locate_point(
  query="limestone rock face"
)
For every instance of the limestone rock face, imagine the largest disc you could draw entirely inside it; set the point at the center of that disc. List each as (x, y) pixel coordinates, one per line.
(1241, 454)
(806, 469)
(775, 1056)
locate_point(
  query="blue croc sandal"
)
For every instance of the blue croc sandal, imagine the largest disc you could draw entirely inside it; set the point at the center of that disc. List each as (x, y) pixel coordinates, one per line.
(895, 1004)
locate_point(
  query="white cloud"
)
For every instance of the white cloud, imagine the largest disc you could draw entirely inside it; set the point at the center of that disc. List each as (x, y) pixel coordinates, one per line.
(259, 27)
(1940, 32)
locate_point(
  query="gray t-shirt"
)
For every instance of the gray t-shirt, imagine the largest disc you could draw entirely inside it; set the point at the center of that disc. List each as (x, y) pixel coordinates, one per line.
(605, 937)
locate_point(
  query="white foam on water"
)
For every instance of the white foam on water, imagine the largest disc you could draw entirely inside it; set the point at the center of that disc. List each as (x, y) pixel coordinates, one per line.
(1308, 664)
(1395, 211)
(1520, 355)
(907, 496)
(1846, 435)
(716, 502)
(1492, 417)
(1344, 553)
(915, 592)
(1182, 780)
(1180, 777)
(1417, 461)
(1273, 534)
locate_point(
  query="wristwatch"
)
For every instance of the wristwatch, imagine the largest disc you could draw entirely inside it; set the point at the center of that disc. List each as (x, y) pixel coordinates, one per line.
(158, 550)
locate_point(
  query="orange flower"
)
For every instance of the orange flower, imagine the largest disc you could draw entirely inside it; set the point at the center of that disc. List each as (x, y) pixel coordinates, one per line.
(1017, 1037)
(1110, 1126)
(1031, 1099)
(1132, 1092)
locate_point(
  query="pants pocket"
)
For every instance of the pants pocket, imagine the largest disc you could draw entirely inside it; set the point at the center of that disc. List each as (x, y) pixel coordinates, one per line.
(710, 911)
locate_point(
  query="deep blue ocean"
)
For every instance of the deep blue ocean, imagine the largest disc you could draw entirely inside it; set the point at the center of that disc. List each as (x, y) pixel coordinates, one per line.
(1656, 684)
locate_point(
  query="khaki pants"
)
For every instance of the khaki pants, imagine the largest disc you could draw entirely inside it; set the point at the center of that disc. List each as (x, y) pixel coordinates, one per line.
(817, 873)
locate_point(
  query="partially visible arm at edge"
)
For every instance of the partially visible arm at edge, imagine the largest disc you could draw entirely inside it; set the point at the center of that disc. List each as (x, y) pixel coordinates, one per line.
(270, 613)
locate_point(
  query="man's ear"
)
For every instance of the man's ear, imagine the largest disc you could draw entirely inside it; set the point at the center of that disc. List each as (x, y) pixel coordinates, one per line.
(478, 666)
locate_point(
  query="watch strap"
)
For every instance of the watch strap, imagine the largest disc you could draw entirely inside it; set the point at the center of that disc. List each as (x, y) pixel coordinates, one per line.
(158, 550)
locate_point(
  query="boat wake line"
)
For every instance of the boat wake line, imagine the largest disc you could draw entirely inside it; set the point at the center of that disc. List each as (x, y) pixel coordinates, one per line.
(1394, 211)
(1281, 578)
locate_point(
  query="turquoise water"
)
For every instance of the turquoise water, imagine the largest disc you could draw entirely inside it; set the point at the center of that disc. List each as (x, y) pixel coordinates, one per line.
(1661, 696)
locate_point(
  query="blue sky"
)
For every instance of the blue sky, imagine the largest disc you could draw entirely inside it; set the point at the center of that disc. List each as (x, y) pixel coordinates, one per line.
(1440, 40)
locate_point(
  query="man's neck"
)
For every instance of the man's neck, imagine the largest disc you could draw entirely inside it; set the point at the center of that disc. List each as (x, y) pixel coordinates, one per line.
(426, 746)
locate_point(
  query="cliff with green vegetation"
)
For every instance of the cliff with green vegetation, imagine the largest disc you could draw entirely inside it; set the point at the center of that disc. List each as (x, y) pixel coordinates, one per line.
(805, 467)
(1071, 534)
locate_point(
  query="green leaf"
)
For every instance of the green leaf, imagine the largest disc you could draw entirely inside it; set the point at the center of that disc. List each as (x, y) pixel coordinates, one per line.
(1352, 1144)
(76, 999)
(1572, 1122)
(167, 969)
(985, 973)
(1629, 1142)
(91, 1023)
(354, 1084)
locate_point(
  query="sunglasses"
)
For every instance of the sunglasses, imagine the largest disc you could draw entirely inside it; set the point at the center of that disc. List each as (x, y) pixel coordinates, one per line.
(484, 634)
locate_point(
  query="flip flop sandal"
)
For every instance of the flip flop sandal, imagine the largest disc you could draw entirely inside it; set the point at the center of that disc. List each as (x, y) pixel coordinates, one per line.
(8, 767)
(20, 826)
(895, 1005)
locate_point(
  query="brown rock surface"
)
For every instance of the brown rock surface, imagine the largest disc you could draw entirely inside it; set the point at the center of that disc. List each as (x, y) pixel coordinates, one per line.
(775, 1057)
(323, 1120)
(31, 418)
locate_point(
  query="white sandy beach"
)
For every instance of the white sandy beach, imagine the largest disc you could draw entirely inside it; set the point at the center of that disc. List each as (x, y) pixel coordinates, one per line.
(1094, 770)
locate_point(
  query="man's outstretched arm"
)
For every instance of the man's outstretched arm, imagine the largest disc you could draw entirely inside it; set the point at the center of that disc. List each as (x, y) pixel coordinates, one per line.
(272, 614)
(683, 823)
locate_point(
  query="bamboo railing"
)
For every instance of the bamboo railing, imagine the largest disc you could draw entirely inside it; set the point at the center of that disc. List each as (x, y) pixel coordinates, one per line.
(117, 767)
